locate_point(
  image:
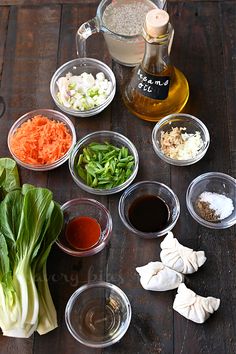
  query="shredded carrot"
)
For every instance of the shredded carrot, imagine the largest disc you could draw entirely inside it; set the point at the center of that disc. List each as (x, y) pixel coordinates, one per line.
(41, 141)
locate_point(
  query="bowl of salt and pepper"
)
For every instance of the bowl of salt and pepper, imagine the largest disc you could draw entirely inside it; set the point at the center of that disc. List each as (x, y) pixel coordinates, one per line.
(210, 200)
(156, 90)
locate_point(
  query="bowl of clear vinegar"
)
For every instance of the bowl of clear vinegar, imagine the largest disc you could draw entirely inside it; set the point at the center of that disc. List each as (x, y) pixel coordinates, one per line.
(98, 314)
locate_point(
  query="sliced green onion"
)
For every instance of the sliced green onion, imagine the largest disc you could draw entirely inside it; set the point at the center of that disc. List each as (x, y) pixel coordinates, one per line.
(103, 165)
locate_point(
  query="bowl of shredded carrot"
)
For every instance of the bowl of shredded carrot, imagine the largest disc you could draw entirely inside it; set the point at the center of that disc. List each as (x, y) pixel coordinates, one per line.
(41, 140)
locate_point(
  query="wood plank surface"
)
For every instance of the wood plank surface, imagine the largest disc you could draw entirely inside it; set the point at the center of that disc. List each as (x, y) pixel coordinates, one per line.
(76, 2)
(4, 13)
(68, 273)
(201, 56)
(29, 61)
(47, 2)
(35, 39)
(229, 49)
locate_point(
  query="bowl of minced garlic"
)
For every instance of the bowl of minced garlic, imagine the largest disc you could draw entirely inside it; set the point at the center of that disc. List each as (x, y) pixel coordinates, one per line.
(211, 199)
(180, 139)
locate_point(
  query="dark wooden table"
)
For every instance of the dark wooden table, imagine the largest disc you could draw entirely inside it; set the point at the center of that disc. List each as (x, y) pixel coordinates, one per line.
(38, 36)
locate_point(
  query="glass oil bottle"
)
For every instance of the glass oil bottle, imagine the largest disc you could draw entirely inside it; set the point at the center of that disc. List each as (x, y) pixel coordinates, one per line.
(156, 87)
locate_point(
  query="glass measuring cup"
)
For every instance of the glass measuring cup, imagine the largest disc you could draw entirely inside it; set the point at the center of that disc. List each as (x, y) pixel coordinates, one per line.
(120, 21)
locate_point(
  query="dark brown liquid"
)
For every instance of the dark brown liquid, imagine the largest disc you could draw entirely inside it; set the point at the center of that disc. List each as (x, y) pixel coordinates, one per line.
(149, 213)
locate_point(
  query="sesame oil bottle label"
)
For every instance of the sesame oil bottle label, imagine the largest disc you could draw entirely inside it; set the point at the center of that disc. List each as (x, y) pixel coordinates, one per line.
(156, 87)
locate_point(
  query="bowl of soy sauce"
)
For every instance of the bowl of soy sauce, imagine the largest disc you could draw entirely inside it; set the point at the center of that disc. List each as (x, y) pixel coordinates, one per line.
(149, 209)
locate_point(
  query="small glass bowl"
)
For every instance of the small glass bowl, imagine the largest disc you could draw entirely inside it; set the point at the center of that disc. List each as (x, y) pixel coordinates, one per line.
(98, 314)
(146, 188)
(114, 138)
(215, 182)
(53, 115)
(91, 208)
(77, 67)
(180, 120)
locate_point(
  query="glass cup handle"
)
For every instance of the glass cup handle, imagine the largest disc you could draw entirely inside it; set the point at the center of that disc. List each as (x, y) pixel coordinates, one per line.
(85, 30)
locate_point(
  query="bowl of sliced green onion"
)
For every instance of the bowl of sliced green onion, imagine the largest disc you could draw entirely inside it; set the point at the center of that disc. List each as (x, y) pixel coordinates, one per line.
(104, 162)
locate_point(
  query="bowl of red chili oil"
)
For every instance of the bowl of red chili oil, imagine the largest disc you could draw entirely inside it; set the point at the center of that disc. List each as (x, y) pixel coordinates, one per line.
(87, 227)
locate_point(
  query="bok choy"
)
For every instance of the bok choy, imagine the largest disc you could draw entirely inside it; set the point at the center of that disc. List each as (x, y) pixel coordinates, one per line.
(30, 222)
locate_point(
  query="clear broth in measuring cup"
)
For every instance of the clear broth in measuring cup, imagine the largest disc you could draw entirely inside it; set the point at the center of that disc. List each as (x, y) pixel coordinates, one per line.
(124, 19)
(121, 22)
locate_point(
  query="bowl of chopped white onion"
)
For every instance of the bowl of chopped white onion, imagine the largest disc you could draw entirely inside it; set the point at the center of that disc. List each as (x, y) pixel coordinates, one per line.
(180, 139)
(83, 87)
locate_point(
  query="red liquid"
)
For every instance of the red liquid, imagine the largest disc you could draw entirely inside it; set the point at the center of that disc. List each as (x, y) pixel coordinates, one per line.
(83, 232)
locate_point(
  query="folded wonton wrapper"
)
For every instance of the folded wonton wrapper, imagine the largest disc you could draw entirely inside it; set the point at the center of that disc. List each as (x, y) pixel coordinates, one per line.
(180, 258)
(157, 277)
(194, 307)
